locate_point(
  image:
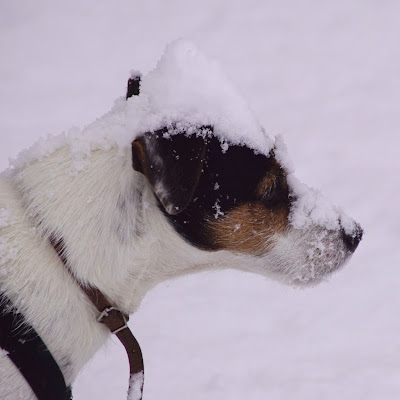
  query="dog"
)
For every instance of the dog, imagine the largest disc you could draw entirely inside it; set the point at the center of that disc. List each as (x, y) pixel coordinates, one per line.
(173, 201)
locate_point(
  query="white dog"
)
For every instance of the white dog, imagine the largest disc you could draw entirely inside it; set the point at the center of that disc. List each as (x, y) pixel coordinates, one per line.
(147, 206)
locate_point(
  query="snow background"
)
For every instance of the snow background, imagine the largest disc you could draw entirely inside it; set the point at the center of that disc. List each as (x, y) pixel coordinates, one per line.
(327, 75)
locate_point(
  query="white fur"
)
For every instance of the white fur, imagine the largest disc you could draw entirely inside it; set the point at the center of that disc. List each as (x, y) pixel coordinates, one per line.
(118, 241)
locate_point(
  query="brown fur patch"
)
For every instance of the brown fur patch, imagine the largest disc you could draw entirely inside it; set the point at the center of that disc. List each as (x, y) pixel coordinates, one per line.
(249, 228)
(266, 184)
(274, 177)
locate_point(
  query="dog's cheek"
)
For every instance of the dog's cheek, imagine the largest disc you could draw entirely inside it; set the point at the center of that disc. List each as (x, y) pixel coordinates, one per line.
(250, 228)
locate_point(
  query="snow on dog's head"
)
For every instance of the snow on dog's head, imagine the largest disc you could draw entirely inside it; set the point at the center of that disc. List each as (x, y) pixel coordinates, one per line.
(189, 89)
(223, 183)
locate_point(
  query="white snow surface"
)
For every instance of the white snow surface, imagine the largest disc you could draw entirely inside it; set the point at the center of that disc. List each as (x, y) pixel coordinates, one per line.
(326, 74)
(135, 386)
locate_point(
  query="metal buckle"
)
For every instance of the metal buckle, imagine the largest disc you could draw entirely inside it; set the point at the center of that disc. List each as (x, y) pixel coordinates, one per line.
(106, 313)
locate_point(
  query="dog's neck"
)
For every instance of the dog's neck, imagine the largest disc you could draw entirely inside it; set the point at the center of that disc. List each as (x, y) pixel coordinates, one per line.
(107, 215)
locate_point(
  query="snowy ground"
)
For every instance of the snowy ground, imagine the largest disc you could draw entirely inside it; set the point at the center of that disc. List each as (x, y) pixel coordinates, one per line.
(327, 74)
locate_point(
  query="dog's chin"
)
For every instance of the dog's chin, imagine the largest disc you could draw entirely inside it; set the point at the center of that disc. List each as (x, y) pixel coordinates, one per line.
(310, 279)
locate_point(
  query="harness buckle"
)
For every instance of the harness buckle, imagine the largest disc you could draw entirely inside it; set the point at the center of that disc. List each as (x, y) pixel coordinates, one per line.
(106, 312)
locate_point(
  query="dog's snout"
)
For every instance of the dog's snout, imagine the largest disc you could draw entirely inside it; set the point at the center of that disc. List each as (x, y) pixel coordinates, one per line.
(352, 240)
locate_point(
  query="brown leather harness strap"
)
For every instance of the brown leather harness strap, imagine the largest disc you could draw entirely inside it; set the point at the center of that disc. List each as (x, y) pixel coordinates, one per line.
(116, 321)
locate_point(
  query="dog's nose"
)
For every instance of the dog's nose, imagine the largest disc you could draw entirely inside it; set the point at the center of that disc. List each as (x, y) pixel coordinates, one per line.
(352, 240)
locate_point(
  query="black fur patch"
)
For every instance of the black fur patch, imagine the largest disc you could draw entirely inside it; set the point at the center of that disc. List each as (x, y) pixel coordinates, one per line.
(228, 179)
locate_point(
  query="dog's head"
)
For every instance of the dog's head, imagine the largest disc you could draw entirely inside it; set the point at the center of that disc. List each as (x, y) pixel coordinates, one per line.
(229, 197)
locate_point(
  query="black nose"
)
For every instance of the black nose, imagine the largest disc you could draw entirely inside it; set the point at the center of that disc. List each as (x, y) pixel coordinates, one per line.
(352, 240)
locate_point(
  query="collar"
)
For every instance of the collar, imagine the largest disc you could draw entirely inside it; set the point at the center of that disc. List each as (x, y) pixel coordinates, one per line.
(116, 321)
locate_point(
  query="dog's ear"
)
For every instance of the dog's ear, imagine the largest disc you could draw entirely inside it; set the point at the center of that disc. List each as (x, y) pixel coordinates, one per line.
(172, 164)
(133, 86)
